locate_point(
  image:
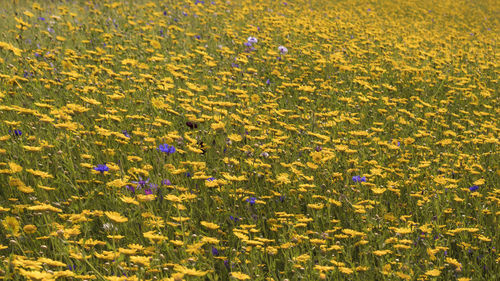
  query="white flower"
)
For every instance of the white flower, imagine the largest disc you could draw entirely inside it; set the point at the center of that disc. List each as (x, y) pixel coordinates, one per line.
(108, 227)
(252, 40)
(282, 49)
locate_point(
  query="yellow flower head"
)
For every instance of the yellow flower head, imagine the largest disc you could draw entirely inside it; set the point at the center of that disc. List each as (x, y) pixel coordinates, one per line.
(11, 224)
(30, 229)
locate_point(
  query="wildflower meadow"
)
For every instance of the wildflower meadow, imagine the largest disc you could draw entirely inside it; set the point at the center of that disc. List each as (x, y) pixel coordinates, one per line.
(249, 140)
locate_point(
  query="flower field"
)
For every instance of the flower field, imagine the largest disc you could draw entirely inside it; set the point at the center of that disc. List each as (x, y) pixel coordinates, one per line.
(249, 140)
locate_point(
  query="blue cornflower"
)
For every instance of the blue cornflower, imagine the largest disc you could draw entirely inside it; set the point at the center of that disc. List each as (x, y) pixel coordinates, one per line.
(166, 148)
(235, 219)
(41, 18)
(16, 133)
(473, 188)
(101, 168)
(125, 133)
(251, 200)
(211, 179)
(358, 179)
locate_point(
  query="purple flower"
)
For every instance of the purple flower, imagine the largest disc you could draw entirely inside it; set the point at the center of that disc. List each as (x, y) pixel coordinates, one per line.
(247, 44)
(211, 179)
(141, 183)
(101, 168)
(283, 50)
(252, 40)
(215, 252)
(131, 188)
(358, 179)
(125, 133)
(166, 148)
(41, 18)
(166, 182)
(473, 188)
(148, 191)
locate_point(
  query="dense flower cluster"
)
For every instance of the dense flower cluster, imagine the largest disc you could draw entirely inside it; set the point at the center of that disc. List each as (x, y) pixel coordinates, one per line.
(239, 140)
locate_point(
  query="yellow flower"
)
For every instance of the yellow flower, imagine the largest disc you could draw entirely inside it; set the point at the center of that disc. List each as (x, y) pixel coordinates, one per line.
(433, 272)
(255, 98)
(14, 167)
(189, 271)
(403, 230)
(155, 44)
(240, 275)
(478, 182)
(51, 262)
(129, 200)
(209, 225)
(317, 156)
(12, 225)
(302, 258)
(30, 229)
(117, 183)
(15, 182)
(378, 190)
(142, 260)
(209, 240)
(116, 217)
(381, 252)
(41, 174)
(345, 270)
